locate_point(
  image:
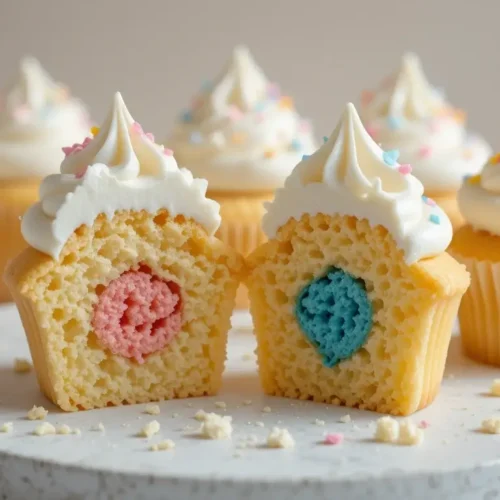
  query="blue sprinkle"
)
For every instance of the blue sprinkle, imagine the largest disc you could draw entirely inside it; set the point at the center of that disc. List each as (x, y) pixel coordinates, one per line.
(296, 145)
(391, 157)
(394, 122)
(305, 157)
(187, 116)
(424, 198)
(325, 138)
(261, 106)
(434, 219)
(206, 85)
(466, 177)
(196, 138)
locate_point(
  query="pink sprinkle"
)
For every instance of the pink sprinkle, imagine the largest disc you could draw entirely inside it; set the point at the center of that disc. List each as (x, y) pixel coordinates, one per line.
(80, 173)
(137, 127)
(336, 438)
(429, 201)
(168, 152)
(425, 151)
(235, 113)
(372, 131)
(367, 97)
(404, 169)
(150, 136)
(137, 314)
(424, 424)
(69, 150)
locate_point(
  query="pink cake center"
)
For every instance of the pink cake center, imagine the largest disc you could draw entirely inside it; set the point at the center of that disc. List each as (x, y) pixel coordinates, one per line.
(137, 314)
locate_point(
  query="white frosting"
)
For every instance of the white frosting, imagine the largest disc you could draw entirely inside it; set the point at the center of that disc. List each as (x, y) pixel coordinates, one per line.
(408, 114)
(103, 177)
(241, 134)
(479, 198)
(37, 118)
(349, 175)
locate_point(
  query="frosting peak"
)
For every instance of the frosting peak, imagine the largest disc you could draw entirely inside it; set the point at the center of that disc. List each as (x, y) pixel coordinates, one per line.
(102, 175)
(351, 175)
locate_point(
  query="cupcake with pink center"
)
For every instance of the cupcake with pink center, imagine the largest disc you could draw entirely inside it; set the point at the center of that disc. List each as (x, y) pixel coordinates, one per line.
(124, 292)
(407, 114)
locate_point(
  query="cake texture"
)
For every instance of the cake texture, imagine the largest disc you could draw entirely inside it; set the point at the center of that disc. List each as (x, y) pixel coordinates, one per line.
(244, 137)
(477, 245)
(353, 297)
(37, 118)
(408, 114)
(124, 293)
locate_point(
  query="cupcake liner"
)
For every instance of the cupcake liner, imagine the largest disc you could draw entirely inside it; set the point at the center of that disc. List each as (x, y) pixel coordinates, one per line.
(15, 198)
(479, 313)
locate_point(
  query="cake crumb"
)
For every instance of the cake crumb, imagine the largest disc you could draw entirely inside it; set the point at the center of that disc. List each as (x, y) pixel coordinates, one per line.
(345, 419)
(98, 427)
(37, 413)
(22, 365)
(200, 415)
(334, 439)
(266, 409)
(7, 427)
(491, 426)
(216, 426)
(319, 422)
(495, 388)
(77, 431)
(166, 444)
(259, 424)
(247, 357)
(410, 434)
(150, 429)
(247, 402)
(221, 405)
(63, 429)
(280, 438)
(44, 429)
(152, 410)
(387, 430)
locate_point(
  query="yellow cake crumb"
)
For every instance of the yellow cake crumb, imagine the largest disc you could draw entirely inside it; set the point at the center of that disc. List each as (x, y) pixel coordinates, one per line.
(63, 429)
(37, 413)
(410, 434)
(166, 444)
(216, 426)
(22, 365)
(98, 427)
(44, 429)
(150, 429)
(247, 402)
(495, 387)
(491, 426)
(266, 409)
(346, 419)
(387, 430)
(7, 427)
(221, 405)
(319, 422)
(77, 431)
(280, 438)
(247, 357)
(200, 415)
(152, 410)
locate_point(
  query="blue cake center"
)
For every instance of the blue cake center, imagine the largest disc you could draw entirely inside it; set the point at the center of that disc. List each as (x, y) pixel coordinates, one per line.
(335, 313)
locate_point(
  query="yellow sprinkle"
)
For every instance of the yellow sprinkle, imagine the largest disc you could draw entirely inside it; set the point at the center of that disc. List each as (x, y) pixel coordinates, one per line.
(238, 137)
(94, 131)
(495, 159)
(286, 102)
(460, 115)
(269, 153)
(475, 179)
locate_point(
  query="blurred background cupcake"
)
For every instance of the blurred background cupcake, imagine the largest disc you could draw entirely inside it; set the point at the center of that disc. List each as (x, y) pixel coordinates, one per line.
(408, 114)
(477, 245)
(244, 137)
(37, 119)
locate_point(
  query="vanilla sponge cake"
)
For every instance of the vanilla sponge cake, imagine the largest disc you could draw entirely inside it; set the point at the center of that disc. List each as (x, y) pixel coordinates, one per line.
(353, 297)
(124, 293)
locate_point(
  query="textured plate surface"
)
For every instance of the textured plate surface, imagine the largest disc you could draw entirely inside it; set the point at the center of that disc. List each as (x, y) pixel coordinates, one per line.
(455, 460)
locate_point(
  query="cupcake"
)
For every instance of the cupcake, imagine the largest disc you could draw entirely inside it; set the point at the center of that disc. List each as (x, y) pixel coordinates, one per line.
(353, 297)
(37, 118)
(124, 293)
(406, 113)
(244, 137)
(477, 245)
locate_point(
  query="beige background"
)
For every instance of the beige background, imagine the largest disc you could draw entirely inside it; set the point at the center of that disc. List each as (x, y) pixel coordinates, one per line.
(323, 52)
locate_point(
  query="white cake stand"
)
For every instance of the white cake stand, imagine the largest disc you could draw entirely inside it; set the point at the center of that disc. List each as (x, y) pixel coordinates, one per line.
(455, 461)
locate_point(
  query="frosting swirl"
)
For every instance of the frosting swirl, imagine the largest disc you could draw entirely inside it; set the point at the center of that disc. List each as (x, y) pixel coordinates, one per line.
(408, 114)
(102, 176)
(37, 118)
(479, 198)
(351, 175)
(241, 134)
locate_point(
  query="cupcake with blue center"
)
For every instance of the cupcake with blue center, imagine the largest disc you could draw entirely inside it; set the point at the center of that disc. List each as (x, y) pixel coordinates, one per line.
(353, 297)
(409, 114)
(245, 137)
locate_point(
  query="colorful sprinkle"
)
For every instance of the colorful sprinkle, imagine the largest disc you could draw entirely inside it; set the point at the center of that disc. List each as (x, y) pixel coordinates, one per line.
(273, 91)
(269, 153)
(425, 151)
(168, 152)
(334, 439)
(391, 157)
(325, 139)
(305, 157)
(137, 127)
(424, 424)
(187, 116)
(235, 113)
(474, 179)
(69, 150)
(195, 138)
(80, 173)
(428, 201)
(404, 169)
(296, 145)
(94, 130)
(495, 159)
(286, 102)
(394, 122)
(239, 137)
(434, 219)
(372, 131)
(460, 115)
(367, 97)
